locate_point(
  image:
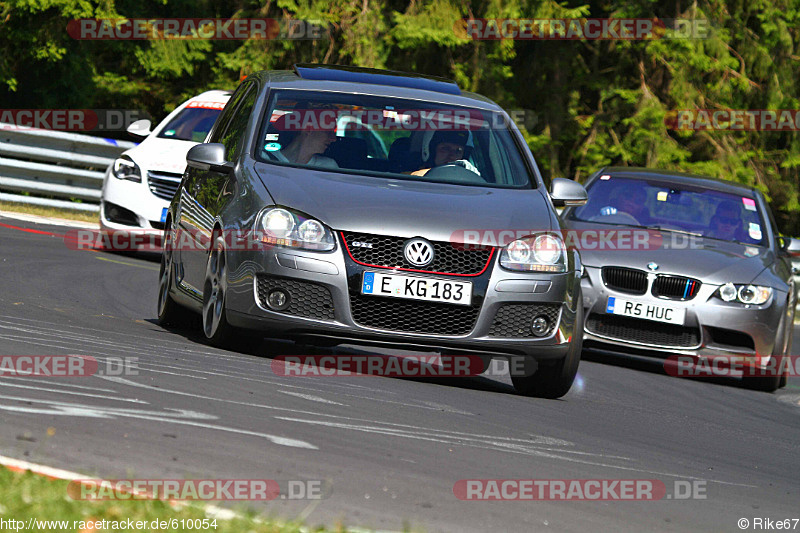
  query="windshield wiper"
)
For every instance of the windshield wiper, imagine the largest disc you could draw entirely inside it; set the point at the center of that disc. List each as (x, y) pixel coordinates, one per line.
(659, 227)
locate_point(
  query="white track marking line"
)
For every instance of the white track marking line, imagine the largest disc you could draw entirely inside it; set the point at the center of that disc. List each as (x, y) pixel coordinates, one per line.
(75, 393)
(35, 380)
(158, 416)
(512, 448)
(49, 221)
(311, 398)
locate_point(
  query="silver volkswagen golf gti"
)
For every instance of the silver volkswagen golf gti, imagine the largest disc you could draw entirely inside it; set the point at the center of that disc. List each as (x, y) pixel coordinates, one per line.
(340, 205)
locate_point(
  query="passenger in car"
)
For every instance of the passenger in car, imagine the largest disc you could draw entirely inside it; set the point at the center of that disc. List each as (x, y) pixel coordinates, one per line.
(307, 148)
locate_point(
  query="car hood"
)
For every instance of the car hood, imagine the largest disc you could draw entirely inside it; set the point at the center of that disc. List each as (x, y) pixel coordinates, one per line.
(164, 155)
(709, 260)
(404, 208)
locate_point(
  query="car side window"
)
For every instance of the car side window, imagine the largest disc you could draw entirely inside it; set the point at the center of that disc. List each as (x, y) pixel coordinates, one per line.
(221, 126)
(234, 136)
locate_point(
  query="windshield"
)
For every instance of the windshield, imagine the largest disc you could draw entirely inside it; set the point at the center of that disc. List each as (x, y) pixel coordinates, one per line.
(666, 206)
(193, 123)
(386, 136)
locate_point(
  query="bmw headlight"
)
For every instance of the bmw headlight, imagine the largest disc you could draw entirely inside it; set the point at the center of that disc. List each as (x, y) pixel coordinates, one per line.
(541, 253)
(746, 294)
(125, 169)
(281, 227)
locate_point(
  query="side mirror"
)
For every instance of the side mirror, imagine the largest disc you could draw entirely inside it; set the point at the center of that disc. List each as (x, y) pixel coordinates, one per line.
(209, 156)
(566, 192)
(789, 245)
(140, 128)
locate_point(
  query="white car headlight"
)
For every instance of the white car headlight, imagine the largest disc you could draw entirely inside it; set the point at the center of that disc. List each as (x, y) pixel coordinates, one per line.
(281, 227)
(542, 253)
(125, 169)
(278, 222)
(746, 294)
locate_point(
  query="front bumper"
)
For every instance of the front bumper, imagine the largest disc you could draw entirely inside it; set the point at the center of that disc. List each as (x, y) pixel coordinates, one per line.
(142, 211)
(712, 328)
(333, 310)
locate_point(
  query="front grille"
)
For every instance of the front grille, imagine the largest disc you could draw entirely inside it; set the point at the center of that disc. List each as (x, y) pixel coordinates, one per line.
(514, 320)
(163, 184)
(307, 300)
(676, 287)
(626, 280)
(387, 252)
(413, 317)
(643, 331)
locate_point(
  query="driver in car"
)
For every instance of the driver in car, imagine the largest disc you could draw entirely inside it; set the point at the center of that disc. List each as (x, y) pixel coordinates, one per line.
(726, 224)
(630, 201)
(447, 148)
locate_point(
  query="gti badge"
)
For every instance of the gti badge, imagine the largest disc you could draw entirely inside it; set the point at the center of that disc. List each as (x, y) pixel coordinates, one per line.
(652, 266)
(418, 252)
(359, 244)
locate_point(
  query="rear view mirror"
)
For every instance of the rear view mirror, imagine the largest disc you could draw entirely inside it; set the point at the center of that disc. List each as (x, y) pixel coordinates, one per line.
(566, 192)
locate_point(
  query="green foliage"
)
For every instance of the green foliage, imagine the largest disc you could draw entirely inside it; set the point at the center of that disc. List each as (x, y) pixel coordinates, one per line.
(602, 102)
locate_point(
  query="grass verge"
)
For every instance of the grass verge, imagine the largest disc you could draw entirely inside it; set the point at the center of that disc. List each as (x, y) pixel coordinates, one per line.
(49, 212)
(25, 496)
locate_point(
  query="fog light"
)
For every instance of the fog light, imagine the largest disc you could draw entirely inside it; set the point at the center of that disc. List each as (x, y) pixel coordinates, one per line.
(539, 326)
(278, 300)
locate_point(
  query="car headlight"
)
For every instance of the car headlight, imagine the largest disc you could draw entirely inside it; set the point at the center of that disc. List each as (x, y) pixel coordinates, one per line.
(281, 227)
(746, 294)
(542, 253)
(125, 169)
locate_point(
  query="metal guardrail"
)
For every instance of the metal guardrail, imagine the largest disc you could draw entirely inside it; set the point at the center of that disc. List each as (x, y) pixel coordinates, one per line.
(57, 165)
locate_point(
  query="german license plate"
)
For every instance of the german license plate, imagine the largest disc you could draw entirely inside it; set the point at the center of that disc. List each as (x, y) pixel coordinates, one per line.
(415, 288)
(645, 310)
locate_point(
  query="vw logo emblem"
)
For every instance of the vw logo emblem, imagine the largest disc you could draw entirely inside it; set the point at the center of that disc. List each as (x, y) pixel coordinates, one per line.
(652, 266)
(418, 252)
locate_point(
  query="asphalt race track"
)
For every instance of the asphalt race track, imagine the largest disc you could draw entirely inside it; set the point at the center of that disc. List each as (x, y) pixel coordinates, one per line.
(390, 449)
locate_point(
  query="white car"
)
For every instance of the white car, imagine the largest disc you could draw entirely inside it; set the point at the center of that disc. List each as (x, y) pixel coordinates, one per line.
(140, 184)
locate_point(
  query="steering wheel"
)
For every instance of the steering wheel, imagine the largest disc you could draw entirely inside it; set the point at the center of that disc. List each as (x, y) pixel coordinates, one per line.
(454, 172)
(620, 217)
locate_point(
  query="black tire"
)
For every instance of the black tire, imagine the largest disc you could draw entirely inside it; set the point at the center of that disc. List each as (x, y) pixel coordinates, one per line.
(763, 384)
(788, 350)
(555, 379)
(170, 313)
(215, 324)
